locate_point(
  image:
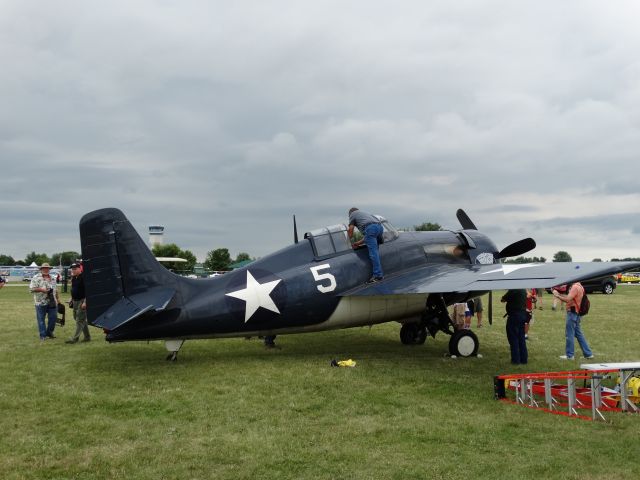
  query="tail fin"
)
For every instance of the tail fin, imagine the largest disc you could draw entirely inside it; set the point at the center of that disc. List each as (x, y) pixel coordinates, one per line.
(123, 280)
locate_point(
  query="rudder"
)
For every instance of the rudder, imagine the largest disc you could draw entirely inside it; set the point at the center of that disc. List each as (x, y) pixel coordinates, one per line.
(119, 269)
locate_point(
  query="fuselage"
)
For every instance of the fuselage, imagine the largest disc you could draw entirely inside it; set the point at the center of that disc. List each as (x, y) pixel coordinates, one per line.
(298, 289)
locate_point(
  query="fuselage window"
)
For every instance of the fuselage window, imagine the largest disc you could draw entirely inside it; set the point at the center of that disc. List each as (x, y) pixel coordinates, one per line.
(323, 245)
(389, 232)
(341, 241)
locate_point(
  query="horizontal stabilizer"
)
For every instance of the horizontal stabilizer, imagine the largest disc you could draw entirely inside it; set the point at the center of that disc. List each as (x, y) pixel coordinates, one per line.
(129, 308)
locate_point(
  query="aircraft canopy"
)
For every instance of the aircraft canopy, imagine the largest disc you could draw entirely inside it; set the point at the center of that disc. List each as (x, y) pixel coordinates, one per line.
(328, 241)
(333, 240)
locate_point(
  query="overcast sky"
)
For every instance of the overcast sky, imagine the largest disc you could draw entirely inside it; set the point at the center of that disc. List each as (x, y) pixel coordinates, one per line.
(219, 120)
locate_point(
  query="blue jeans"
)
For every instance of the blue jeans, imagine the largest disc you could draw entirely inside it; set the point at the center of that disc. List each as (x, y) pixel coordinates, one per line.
(372, 232)
(515, 335)
(41, 312)
(573, 331)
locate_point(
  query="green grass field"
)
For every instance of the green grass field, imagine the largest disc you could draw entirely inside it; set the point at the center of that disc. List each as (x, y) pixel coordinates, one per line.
(232, 409)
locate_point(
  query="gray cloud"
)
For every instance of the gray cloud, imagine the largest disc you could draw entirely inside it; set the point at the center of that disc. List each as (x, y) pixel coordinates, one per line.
(221, 120)
(511, 208)
(613, 222)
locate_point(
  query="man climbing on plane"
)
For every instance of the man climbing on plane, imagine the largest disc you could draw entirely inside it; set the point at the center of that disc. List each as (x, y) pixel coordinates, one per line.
(372, 230)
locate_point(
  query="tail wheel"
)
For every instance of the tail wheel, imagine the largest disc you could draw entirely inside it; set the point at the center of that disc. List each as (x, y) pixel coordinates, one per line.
(464, 343)
(412, 334)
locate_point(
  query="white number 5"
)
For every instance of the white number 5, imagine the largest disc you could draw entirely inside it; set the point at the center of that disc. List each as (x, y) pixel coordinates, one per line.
(324, 276)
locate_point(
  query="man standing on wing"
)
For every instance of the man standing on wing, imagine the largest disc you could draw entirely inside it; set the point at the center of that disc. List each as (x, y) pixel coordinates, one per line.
(572, 328)
(372, 230)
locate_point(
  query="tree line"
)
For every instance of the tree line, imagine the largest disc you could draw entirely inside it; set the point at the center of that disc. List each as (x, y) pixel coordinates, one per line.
(563, 256)
(220, 259)
(61, 258)
(217, 260)
(560, 256)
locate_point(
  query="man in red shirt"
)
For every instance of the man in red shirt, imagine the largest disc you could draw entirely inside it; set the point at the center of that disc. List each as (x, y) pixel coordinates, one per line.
(572, 329)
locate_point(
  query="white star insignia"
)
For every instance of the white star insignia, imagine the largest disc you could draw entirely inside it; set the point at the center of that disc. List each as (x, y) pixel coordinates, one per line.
(256, 295)
(506, 269)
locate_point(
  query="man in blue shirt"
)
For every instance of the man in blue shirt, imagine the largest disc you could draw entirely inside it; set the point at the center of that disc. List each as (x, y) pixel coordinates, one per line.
(372, 230)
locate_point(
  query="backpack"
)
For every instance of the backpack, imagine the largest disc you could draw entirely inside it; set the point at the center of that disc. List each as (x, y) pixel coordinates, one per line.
(585, 304)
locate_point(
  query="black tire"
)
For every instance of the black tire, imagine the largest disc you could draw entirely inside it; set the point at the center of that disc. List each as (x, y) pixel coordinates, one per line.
(464, 343)
(412, 334)
(608, 288)
(421, 337)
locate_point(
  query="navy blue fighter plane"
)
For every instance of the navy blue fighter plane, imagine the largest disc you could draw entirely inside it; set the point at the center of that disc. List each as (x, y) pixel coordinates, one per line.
(315, 284)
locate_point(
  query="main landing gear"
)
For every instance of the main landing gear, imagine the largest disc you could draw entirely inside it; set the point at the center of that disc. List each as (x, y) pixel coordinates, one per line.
(173, 347)
(463, 343)
(413, 334)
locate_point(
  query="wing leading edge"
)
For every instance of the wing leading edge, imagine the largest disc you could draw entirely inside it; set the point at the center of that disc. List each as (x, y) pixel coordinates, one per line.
(443, 278)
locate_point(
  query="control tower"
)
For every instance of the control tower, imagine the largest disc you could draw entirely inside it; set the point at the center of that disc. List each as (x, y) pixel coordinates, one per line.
(155, 234)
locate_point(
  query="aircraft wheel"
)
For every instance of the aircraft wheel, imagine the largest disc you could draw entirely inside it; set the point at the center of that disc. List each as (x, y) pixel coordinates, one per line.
(464, 343)
(412, 334)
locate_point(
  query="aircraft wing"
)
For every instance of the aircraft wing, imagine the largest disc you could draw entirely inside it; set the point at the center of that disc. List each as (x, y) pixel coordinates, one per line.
(444, 278)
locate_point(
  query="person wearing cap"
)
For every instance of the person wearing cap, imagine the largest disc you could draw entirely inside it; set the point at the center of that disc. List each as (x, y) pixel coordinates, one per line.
(46, 299)
(371, 228)
(79, 305)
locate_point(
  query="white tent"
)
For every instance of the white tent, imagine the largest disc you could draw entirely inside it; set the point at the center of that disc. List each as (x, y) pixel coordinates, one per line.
(33, 264)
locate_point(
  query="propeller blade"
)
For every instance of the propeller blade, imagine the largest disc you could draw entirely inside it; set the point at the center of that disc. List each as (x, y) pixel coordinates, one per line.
(464, 220)
(295, 230)
(517, 248)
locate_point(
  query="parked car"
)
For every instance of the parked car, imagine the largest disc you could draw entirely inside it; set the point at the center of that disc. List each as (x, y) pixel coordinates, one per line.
(606, 285)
